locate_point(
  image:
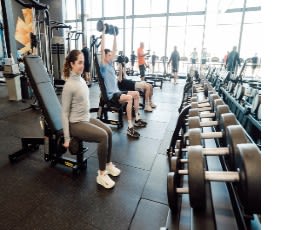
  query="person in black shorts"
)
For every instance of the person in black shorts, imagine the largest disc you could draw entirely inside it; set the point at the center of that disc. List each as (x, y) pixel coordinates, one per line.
(126, 84)
(113, 92)
(175, 57)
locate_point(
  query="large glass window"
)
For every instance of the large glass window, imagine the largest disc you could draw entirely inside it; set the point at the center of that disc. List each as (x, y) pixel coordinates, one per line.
(74, 9)
(129, 7)
(157, 36)
(158, 6)
(196, 5)
(113, 8)
(141, 32)
(128, 37)
(142, 7)
(222, 29)
(251, 40)
(94, 8)
(178, 6)
(253, 3)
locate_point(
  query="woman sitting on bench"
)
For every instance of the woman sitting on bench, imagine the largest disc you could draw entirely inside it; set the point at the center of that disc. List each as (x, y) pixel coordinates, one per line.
(76, 118)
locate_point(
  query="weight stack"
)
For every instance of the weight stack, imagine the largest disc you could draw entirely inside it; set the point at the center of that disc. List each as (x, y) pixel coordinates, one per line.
(58, 56)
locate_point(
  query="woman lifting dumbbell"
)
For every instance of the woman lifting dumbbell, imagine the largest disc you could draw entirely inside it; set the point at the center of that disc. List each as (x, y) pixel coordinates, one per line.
(77, 121)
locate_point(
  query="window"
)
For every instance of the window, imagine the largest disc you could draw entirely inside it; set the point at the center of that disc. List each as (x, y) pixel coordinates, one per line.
(113, 8)
(73, 9)
(178, 6)
(141, 7)
(158, 6)
(94, 8)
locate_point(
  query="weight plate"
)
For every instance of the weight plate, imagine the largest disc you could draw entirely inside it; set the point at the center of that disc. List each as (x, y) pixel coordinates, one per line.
(216, 103)
(174, 164)
(213, 97)
(226, 119)
(117, 30)
(171, 192)
(249, 188)
(74, 146)
(235, 135)
(221, 109)
(194, 99)
(100, 25)
(60, 149)
(106, 28)
(194, 136)
(194, 122)
(193, 113)
(196, 178)
(178, 144)
(194, 105)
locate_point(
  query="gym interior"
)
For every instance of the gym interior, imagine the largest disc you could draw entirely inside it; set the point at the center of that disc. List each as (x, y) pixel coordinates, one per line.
(196, 164)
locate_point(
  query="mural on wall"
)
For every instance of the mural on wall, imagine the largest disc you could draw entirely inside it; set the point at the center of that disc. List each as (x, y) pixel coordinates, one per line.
(23, 30)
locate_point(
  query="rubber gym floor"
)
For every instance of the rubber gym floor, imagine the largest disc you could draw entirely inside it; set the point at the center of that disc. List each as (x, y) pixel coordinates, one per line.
(34, 195)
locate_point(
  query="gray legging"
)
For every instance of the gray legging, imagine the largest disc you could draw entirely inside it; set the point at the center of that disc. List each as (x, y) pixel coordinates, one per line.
(95, 131)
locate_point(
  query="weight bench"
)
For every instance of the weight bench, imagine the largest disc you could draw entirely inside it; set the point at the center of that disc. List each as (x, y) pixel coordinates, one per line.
(105, 105)
(50, 122)
(154, 79)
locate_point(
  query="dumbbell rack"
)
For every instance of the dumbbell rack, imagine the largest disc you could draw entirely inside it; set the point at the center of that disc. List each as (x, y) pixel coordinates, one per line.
(223, 210)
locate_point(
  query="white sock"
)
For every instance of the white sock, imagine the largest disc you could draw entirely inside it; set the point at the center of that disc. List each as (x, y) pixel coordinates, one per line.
(137, 116)
(130, 125)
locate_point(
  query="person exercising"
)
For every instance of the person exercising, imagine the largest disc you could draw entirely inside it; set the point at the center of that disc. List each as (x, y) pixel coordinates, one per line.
(76, 118)
(113, 92)
(126, 84)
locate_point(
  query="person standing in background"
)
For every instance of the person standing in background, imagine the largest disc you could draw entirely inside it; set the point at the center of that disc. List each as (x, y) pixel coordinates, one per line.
(175, 57)
(141, 60)
(233, 59)
(194, 57)
(254, 61)
(86, 71)
(225, 59)
(153, 61)
(132, 59)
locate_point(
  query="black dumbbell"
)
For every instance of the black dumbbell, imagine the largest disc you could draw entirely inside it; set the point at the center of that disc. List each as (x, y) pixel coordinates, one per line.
(219, 109)
(247, 179)
(60, 148)
(235, 134)
(207, 109)
(195, 135)
(109, 29)
(76, 146)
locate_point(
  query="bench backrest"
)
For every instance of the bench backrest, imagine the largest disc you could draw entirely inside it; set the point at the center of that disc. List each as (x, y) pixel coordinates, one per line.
(44, 91)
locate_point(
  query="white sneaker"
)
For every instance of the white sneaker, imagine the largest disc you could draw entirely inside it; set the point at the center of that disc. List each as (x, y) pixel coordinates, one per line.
(152, 105)
(148, 108)
(113, 170)
(105, 180)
